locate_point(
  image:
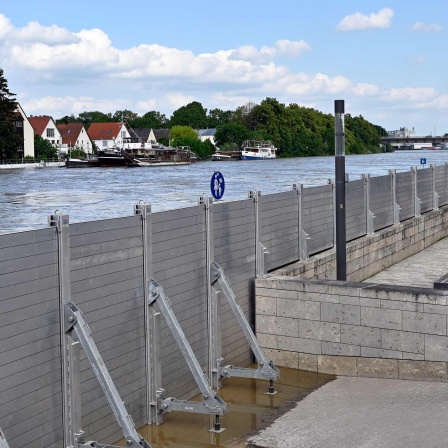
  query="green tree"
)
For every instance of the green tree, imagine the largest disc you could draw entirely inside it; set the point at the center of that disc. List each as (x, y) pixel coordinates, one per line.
(87, 118)
(218, 117)
(43, 149)
(231, 133)
(10, 141)
(125, 115)
(178, 132)
(193, 115)
(150, 120)
(66, 119)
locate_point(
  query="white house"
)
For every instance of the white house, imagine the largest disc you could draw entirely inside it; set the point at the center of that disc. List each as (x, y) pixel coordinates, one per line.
(74, 136)
(46, 127)
(207, 134)
(25, 130)
(107, 135)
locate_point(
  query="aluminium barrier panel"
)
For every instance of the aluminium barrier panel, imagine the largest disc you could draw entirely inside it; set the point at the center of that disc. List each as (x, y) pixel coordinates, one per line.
(279, 228)
(442, 184)
(234, 247)
(107, 285)
(424, 189)
(356, 214)
(405, 194)
(381, 201)
(30, 358)
(178, 263)
(318, 217)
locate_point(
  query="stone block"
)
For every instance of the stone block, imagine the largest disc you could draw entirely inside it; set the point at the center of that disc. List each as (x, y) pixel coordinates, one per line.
(364, 336)
(403, 341)
(300, 309)
(369, 352)
(436, 348)
(381, 318)
(377, 368)
(435, 309)
(369, 302)
(337, 365)
(348, 300)
(343, 314)
(422, 370)
(401, 305)
(308, 362)
(319, 297)
(266, 305)
(322, 331)
(338, 349)
(275, 292)
(267, 340)
(277, 325)
(413, 356)
(424, 323)
(283, 358)
(299, 345)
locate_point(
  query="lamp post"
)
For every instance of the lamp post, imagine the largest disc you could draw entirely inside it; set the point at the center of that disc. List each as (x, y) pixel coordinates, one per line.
(339, 135)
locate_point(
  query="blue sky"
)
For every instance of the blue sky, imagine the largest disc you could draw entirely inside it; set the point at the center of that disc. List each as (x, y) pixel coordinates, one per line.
(387, 60)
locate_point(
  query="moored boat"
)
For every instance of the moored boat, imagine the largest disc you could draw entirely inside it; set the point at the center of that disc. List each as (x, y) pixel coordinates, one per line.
(81, 163)
(258, 150)
(160, 157)
(226, 155)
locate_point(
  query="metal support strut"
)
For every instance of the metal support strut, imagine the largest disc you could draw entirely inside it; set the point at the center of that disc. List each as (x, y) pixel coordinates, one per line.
(3, 442)
(211, 403)
(75, 323)
(266, 369)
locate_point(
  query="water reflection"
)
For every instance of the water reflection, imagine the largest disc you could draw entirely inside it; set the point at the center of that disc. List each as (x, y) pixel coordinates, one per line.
(249, 410)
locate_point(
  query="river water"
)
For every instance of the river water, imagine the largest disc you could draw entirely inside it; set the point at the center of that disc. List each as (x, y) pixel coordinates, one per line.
(28, 196)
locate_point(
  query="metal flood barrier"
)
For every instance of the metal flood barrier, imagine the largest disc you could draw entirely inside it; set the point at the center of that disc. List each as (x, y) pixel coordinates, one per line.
(105, 268)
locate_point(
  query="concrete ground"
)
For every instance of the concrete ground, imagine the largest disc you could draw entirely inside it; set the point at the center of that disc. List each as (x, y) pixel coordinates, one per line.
(370, 412)
(364, 413)
(420, 270)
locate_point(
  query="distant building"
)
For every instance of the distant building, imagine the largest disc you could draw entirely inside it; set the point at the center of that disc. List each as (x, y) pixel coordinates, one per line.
(107, 135)
(45, 126)
(74, 136)
(24, 128)
(402, 133)
(147, 135)
(207, 134)
(162, 134)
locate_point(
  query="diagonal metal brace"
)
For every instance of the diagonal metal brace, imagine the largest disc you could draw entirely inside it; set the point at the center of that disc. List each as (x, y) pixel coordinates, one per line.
(266, 369)
(3, 442)
(211, 402)
(74, 323)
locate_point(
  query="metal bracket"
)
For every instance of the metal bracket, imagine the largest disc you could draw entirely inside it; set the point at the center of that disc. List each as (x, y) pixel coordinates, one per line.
(3, 442)
(266, 369)
(59, 221)
(74, 323)
(211, 402)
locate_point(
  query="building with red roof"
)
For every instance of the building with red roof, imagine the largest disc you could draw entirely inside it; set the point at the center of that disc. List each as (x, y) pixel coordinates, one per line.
(46, 127)
(107, 135)
(74, 136)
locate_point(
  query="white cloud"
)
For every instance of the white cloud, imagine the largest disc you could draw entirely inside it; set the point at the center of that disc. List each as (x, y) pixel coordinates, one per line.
(178, 99)
(418, 60)
(410, 94)
(427, 27)
(5, 26)
(363, 89)
(358, 21)
(281, 48)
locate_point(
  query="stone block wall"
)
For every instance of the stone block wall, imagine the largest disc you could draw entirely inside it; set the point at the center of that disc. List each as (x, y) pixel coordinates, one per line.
(371, 254)
(353, 329)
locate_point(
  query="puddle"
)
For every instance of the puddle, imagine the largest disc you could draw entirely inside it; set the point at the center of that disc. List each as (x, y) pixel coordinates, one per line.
(249, 411)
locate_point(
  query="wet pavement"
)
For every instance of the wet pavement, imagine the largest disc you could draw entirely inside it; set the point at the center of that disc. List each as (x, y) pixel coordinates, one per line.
(364, 413)
(249, 411)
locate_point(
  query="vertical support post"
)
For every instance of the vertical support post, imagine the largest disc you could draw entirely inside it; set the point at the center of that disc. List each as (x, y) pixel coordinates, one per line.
(152, 335)
(417, 202)
(214, 340)
(395, 207)
(62, 226)
(435, 196)
(260, 250)
(332, 183)
(341, 238)
(369, 214)
(303, 236)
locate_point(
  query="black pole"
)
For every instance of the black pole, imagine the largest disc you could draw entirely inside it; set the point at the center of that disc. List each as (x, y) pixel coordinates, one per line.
(341, 240)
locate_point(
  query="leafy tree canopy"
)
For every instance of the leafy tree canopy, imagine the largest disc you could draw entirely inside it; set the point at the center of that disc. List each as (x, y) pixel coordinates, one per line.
(10, 141)
(231, 133)
(150, 120)
(43, 149)
(183, 132)
(193, 115)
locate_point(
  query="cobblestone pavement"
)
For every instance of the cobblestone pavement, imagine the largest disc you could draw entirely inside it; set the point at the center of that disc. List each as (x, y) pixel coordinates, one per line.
(364, 413)
(420, 270)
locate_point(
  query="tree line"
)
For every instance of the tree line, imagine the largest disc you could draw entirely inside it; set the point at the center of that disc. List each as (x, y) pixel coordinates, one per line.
(293, 129)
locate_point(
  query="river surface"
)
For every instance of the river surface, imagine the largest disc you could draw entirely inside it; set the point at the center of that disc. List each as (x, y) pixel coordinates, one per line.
(28, 196)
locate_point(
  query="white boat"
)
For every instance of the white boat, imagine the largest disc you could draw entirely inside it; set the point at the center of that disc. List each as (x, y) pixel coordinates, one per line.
(258, 150)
